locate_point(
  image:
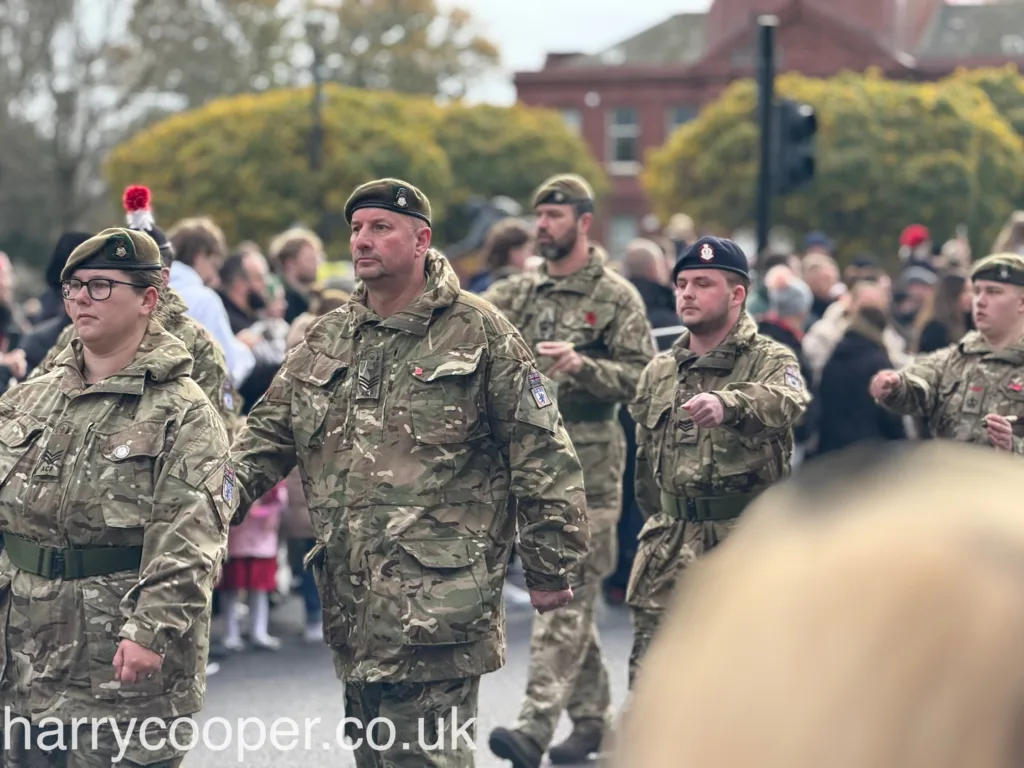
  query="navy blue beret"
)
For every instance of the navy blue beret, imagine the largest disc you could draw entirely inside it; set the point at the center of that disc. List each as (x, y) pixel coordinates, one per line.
(713, 253)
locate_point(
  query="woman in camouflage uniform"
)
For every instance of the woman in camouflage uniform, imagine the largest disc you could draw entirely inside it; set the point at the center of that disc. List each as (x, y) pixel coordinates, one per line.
(115, 500)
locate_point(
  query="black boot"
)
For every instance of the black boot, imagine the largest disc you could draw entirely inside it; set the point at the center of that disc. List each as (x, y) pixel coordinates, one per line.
(517, 747)
(577, 748)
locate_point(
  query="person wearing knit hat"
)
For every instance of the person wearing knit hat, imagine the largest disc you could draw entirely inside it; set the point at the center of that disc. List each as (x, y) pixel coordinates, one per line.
(789, 305)
(972, 391)
(117, 495)
(209, 368)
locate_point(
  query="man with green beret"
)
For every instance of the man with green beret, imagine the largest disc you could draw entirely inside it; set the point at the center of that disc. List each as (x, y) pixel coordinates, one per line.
(209, 369)
(115, 505)
(588, 326)
(413, 413)
(972, 391)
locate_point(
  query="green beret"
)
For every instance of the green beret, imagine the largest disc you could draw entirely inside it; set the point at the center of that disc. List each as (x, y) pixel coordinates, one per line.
(129, 250)
(565, 189)
(391, 195)
(1000, 268)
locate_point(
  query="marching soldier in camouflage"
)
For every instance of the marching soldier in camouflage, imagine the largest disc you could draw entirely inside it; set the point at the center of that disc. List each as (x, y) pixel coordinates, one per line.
(715, 417)
(115, 503)
(414, 412)
(588, 326)
(209, 368)
(972, 391)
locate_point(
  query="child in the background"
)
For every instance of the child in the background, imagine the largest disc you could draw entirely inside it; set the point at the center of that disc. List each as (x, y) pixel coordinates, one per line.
(252, 566)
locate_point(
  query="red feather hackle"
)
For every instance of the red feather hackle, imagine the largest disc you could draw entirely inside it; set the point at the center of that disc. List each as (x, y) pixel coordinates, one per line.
(136, 198)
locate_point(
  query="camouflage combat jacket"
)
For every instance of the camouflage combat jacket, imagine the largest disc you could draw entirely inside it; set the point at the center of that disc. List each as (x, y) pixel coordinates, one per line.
(209, 367)
(602, 314)
(757, 379)
(410, 433)
(954, 388)
(138, 459)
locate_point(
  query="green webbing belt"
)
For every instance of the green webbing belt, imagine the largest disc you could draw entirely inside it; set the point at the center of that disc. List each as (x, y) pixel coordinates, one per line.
(77, 563)
(706, 509)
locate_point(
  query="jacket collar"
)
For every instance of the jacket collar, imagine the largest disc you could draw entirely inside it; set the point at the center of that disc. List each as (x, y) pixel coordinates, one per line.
(160, 357)
(723, 357)
(441, 291)
(582, 280)
(973, 343)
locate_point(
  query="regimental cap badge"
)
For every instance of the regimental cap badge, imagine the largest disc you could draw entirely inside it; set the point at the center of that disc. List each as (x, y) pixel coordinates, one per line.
(402, 197)
(558, 197)
(706, 252)
(1004, 272)
(120, 250)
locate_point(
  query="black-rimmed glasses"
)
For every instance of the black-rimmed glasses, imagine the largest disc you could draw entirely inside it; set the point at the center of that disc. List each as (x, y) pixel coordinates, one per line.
(99, 288)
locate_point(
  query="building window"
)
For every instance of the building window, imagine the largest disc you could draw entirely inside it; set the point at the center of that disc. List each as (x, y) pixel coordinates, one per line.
(677, 116)
(573, 118)
(623, 141)
(621, 229)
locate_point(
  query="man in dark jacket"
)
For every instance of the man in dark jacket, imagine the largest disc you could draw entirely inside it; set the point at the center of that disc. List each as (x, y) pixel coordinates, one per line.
(848, 412)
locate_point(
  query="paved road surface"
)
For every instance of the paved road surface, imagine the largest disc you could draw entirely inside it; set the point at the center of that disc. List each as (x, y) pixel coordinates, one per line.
(298, 683)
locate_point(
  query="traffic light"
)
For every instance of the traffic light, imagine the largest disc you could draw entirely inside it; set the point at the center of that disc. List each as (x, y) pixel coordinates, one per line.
(793, 146)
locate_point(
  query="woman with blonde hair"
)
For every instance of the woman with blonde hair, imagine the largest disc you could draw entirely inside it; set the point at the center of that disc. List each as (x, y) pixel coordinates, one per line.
(859, 617)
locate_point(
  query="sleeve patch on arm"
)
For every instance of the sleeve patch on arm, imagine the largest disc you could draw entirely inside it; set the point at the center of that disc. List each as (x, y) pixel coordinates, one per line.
(793, 378)
(228, 489)
(537, 390)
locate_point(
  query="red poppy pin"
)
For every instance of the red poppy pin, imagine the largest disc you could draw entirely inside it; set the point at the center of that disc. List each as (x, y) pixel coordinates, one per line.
(1016, 386)
(418, 372)
(591, 318)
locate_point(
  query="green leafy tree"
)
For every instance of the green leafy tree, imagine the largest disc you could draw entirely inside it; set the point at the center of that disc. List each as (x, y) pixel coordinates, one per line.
(888, 154)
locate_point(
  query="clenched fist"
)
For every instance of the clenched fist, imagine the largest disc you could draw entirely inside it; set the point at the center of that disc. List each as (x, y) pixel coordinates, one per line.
(883, 384)
(706, 410)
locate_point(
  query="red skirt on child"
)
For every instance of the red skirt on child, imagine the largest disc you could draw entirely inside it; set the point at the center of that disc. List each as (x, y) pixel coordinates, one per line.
(258, 574)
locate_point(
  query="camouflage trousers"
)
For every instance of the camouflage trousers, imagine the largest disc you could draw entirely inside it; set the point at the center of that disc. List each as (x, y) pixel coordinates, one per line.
(665, 549)
(70, 747)
(567, 670)
(421, 725)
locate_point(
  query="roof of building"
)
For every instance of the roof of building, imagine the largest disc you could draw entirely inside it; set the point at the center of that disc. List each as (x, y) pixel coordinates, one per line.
(677, 40)
(988, 30)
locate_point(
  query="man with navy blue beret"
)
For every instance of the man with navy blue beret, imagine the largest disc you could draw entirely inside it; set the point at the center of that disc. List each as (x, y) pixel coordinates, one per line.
(715, 417)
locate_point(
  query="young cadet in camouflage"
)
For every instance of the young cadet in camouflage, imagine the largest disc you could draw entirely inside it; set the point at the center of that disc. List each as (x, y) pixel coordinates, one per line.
(413, 413)
(715, 417)
(115, 503)
(972, 391)
(588, 326)
(209, 368)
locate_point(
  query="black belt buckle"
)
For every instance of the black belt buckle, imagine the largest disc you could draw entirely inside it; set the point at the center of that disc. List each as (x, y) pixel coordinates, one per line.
(691, 510)
(56, 564)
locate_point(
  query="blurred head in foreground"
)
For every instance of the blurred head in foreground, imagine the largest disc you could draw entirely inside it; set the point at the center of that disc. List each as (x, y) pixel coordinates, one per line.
(867, 614)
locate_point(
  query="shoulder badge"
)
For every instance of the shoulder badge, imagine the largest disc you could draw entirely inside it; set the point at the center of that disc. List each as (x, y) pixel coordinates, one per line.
(228, 491)
(229, 397)
(706, 252)
(540, 395)
(793, 378)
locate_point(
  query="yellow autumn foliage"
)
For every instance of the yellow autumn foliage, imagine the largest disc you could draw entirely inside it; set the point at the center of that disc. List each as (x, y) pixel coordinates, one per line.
(888, 154)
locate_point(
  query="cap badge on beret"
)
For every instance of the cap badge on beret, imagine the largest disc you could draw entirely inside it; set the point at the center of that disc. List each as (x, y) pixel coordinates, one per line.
(401, 197)
(707, 252)
(558, 197)
(1004, 273)
(120, 251)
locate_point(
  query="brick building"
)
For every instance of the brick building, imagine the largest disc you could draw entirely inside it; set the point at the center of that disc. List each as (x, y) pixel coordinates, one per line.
(631, 96)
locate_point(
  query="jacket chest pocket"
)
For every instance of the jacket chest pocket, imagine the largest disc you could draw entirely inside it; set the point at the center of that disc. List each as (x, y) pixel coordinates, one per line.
(446, 398)
(448, 595)
(123, 473)
(20, 446)
(315, 398)
(657, 421)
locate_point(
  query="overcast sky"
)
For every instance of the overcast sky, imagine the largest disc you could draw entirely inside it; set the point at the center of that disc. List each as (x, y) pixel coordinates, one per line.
(526, 30)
